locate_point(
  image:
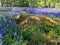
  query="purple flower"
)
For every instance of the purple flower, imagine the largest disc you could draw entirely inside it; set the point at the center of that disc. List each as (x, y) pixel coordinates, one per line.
(15, 34)
(1, 26)
(0, 35)
(4, 31)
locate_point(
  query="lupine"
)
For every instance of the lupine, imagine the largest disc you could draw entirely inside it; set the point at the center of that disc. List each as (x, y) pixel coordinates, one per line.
(8, 28)
(0, 35)
(34, 11)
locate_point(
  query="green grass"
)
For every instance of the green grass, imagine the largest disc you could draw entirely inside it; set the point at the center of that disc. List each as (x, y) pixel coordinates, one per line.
(41, 33)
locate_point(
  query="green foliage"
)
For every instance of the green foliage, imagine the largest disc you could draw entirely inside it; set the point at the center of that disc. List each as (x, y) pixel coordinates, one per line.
(28, 32)
(44, 28)
(32, 3)
(41, 33)
(52, 34)
(33, 34)
(57, 29)
(38, 36)
(37, 32)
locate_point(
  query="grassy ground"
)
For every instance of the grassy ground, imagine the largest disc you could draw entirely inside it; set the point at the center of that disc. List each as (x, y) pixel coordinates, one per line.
(37, 29)
(34, 30)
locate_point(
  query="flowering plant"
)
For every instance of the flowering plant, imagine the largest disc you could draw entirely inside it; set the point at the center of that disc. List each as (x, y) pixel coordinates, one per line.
(9, 31)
